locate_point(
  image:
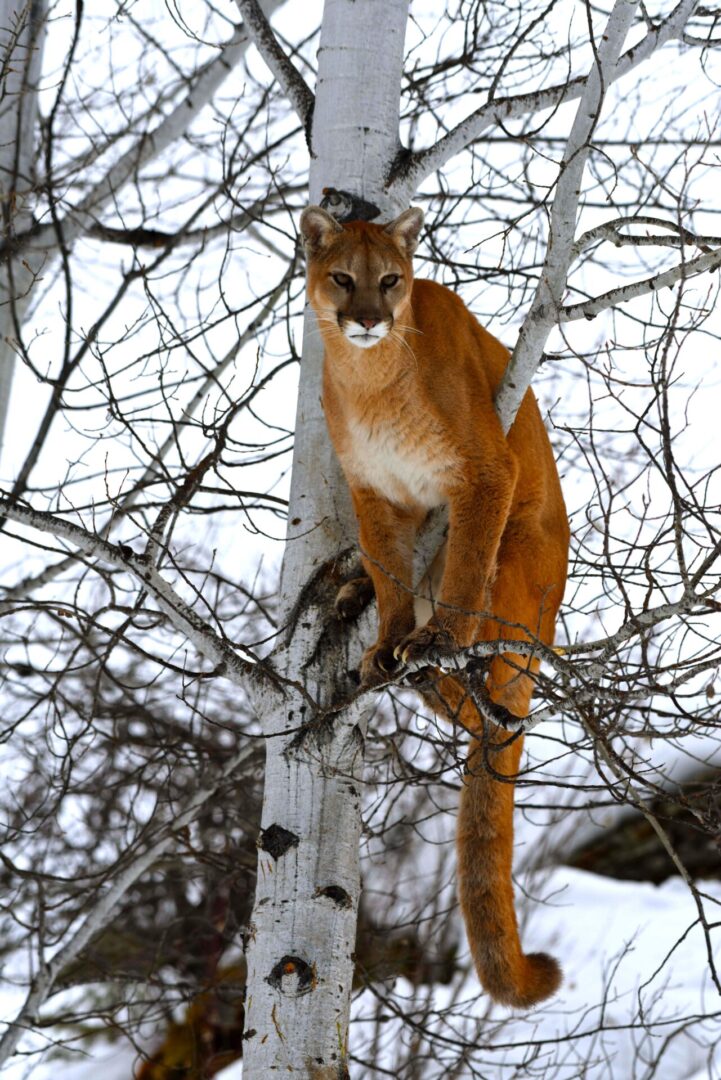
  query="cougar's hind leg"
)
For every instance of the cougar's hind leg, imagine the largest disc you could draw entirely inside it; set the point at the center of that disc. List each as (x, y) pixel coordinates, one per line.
(485, 822)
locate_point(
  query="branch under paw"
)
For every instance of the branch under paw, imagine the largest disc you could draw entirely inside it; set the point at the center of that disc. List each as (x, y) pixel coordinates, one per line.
(430, 643)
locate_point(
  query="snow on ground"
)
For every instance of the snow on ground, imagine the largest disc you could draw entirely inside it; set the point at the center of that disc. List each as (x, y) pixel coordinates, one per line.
(614, 938)
(644, 944)
(615, 941)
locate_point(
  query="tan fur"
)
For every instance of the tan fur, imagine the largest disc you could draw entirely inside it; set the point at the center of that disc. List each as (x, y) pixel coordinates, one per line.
(409, 401)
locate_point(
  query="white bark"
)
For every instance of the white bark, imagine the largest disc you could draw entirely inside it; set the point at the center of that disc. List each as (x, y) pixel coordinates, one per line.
(355, 140)
(300, 962)
(22, 33)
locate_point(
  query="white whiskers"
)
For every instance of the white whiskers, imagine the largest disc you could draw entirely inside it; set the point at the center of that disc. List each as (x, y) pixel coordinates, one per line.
(395, 336)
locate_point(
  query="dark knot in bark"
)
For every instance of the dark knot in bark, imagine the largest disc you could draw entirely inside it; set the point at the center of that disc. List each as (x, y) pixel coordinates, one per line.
(337, 894)
(292, 975)
(276, 840)
(344, 206)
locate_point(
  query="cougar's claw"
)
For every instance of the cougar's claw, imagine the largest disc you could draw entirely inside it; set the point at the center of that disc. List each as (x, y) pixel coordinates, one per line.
(378, 665)
(426, 643)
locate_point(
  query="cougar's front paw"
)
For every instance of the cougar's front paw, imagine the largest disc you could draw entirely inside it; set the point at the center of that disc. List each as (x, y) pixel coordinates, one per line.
(378, 664)
(428, 642)
(353, 598)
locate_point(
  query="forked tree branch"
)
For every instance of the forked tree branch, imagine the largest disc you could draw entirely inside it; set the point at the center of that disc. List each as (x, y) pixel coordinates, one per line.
(544, 310)
(611, 231)
(208, 643)
(294, 85)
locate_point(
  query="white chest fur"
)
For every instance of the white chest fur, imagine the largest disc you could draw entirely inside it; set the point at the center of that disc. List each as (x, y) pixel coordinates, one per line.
(401, 471)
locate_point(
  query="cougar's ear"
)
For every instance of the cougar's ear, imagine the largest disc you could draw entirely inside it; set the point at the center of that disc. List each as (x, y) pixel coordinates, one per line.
(317, 228)
(405, 229)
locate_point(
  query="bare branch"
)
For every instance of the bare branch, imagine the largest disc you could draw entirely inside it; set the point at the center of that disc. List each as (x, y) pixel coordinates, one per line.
(149, 145)
(420, 165)
(265, 41)
(667, 279)
(581, 678)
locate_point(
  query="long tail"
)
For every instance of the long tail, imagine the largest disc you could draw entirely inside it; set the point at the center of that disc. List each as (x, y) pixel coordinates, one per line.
(485, 888)
(485, 857)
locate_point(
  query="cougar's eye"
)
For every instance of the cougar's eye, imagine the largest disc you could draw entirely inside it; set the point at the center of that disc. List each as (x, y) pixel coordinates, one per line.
(344, 280)
(389, 281)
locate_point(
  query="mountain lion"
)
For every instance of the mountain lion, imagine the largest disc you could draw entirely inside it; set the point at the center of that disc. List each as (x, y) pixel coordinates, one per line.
(408, 393)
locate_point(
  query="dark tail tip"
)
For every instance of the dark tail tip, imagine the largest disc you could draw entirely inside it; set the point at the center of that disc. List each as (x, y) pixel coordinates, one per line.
(539, 978)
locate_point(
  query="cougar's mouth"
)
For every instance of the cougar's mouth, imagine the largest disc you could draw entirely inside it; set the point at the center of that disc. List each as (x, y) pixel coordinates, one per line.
(365, 337)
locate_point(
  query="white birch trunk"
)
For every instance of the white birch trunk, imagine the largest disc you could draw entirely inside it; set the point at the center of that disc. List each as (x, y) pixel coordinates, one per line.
(302, 937)
(22, 33)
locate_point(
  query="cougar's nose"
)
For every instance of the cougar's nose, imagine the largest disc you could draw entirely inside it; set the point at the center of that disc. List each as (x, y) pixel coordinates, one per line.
(369, 323)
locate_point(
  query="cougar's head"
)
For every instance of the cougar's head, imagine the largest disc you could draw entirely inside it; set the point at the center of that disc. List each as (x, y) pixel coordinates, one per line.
(359, 274)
